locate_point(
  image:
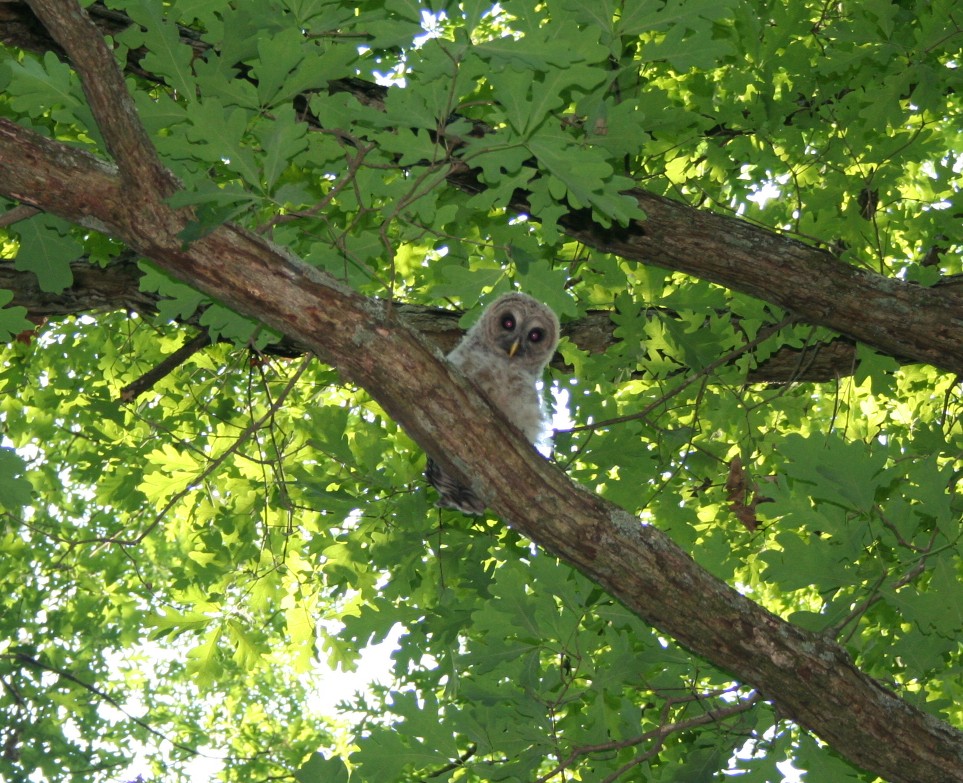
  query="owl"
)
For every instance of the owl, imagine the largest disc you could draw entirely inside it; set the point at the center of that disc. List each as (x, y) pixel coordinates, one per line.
(504, 354)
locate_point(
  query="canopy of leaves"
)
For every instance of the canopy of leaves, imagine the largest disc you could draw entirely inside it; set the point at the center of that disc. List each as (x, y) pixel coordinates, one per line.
(178, 569)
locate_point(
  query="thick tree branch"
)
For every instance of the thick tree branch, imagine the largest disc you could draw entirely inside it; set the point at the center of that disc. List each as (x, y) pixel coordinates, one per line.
(810, 677)
(127, 140)
(897, 318)
(94, 289)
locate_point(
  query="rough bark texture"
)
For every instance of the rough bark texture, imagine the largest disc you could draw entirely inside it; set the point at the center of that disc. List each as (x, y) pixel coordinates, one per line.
(897, 318)
(809, 677)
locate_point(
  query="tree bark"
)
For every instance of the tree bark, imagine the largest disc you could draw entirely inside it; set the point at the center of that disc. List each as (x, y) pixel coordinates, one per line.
(810, 677)
(897, 318)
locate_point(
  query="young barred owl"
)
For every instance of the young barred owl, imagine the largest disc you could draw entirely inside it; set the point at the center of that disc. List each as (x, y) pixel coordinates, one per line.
(504, 354)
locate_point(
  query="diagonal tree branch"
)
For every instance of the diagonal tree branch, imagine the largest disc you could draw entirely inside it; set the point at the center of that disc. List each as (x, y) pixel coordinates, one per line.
(901, 319)
(126, 138)
(638, 564)
(35, 663)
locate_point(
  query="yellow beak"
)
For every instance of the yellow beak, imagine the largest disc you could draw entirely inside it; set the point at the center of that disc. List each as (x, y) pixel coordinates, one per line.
(514, 348)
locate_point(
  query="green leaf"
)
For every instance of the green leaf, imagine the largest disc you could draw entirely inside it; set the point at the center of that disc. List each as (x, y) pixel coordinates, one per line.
(47, 249)
(167, 55)
(938, 609)
(179, 301)
(462, 283)
(223, 323)
(16, 490)
(203, 661)
(284, 140)
(217, 135)
(822, 764)
(13, 320)
(799, 563)
(556, 46)
(47, 87)
(689, 39)
(870, 364)
(848, 474)
(545, 284)
(319, 769)
(583, 177)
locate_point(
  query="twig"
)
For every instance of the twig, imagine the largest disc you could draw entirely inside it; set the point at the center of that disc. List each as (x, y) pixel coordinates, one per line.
(253, 427)
(459, 762)
(874, 594)
(34, 663)
(658, 734)
(859, 610)
(17, 214)
(134, 389)
(764, 335)
(211, 468)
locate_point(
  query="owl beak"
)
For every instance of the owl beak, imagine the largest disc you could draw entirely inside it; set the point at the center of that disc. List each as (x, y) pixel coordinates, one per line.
(513, 348)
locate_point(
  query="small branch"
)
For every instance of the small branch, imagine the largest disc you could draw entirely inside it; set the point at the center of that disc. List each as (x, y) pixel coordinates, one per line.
(658, 735)
(859, 610)
(134, 389)
(888, 524)
(17, 214)
(36, 664)
(216, 463)
(204, 474)
(763, 335)
(456, 764)
(874, 594)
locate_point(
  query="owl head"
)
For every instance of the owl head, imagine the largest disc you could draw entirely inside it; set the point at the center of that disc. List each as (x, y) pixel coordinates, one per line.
(521, 328)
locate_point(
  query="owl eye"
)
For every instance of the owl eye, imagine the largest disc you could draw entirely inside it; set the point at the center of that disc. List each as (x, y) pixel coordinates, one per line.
(536, 335)
(508, 322)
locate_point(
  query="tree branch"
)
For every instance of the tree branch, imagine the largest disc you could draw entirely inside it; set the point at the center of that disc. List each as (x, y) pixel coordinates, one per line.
(113, 109)
(657, 734)
(897, 318)
(116, 286)
(135, 388)
(117, 705)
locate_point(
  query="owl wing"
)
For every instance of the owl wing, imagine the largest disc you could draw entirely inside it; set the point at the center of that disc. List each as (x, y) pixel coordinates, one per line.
(451, 494)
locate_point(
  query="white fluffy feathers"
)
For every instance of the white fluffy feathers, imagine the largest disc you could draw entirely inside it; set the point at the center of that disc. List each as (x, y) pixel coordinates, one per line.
(504, 354)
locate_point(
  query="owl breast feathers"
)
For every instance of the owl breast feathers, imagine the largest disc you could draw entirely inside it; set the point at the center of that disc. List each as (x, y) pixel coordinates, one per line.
(504, 354)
